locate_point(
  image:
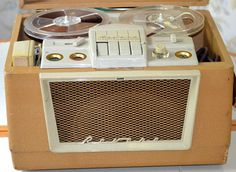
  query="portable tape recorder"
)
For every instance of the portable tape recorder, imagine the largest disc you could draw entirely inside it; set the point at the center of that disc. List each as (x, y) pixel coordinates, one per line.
(113, 88)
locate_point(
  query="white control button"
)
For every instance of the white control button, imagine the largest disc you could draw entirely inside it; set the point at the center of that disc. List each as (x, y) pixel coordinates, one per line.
(124, 48)
(123, 35)
(111, 35)
(102, 49)
(160, 18)
(134, 35)
(173, 38)
(136, 48)
(101, 36)
(113, 48)
(79, 41)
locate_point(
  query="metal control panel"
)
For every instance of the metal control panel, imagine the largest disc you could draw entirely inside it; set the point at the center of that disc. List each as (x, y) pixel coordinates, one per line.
(118, 45)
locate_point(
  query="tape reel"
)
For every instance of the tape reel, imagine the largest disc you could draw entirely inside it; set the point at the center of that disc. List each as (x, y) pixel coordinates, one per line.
(165, 19)
(63, 23)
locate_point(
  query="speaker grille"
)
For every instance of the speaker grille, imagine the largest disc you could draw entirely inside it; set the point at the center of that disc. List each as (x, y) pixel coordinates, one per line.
(114, 109)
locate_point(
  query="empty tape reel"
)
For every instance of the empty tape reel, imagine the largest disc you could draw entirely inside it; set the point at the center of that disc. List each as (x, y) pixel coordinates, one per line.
(63, 23)
(165, 19)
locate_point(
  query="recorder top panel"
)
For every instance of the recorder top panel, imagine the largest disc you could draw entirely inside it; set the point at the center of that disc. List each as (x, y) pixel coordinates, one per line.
(118, 46)
(32, 4)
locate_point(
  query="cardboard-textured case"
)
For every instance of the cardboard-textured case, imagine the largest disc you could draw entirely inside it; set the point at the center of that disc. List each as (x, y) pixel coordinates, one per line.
(27, 129)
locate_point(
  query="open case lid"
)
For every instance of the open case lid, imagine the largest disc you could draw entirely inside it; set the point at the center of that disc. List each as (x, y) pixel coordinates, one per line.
(46, 4)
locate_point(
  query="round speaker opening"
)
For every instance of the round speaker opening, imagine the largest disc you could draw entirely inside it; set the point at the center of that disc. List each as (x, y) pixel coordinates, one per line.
(54, 57)
(183, 54)
(78, 56)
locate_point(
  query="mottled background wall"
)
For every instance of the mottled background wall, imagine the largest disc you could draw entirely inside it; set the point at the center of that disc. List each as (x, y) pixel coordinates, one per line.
(224, 12)
(8, 10)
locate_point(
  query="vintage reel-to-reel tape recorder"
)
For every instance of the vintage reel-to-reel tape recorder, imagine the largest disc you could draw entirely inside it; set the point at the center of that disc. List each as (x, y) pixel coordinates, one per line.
(108, 87)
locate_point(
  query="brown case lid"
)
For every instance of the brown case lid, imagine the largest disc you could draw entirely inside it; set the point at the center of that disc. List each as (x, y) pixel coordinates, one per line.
(46, 4)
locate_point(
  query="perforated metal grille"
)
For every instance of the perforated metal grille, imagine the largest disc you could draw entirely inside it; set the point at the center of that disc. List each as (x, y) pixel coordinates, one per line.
(120, 109)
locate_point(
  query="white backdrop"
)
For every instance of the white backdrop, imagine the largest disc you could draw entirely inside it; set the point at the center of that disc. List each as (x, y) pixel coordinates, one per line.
(8, 11)
(224, 13)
